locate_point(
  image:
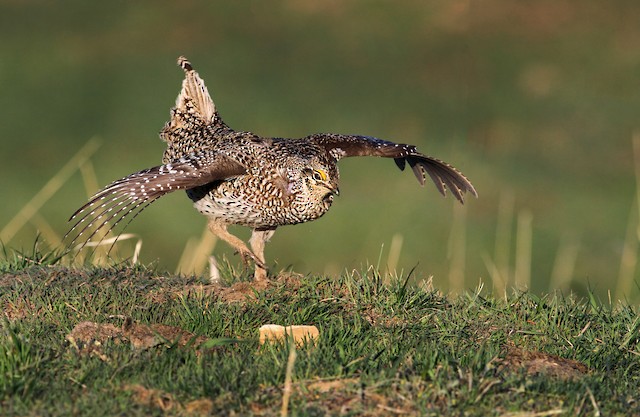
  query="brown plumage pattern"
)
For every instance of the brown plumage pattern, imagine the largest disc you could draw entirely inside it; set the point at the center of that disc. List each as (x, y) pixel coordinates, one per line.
(236, 177)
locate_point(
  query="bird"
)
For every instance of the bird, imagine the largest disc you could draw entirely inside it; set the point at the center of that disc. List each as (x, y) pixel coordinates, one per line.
(240, 178)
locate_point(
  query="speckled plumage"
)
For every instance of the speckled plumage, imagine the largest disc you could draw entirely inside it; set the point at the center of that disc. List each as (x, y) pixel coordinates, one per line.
(236, 177)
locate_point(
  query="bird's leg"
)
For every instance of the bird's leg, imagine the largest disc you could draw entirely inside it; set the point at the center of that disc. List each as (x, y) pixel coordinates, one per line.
(257, 242)
(219, 229)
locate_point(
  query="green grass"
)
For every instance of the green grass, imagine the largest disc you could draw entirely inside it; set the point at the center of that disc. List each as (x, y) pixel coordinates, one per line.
(534, 101)
(386, 346)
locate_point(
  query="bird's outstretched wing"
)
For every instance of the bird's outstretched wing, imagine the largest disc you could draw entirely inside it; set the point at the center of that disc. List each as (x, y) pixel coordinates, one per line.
(127, 197)
(444, 176)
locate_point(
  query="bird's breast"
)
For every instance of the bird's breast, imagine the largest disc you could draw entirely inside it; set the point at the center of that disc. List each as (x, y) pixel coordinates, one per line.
(258, 201)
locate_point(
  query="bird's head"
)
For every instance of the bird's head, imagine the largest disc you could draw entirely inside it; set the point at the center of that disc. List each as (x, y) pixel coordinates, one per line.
(322, 182)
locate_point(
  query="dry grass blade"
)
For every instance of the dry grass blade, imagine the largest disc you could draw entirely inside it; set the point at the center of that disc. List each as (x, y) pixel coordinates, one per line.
(594, 403)
(195, 256)
(48, 233)
(565, 263)
(288, 379)
(499, 267)
(524, 237)
(499, 284)
(89, 178)
(50, 188)
(105, 242)
(457, 249)
(394, 253)
(629, 257)
(112, 241)
(535, 414)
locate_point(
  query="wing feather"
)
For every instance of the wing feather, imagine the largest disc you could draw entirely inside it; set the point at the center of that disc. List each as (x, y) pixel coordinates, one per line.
(444, 176)
(129, 196)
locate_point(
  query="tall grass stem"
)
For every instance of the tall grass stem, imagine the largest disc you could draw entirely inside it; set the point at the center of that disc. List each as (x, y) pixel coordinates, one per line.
(288, 378)
(524, 245)
(50, 188)
(629, 257)
(457, 249)
(502, 250)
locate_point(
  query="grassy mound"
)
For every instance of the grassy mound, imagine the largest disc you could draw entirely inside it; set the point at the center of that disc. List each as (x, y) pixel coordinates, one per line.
(134, 341)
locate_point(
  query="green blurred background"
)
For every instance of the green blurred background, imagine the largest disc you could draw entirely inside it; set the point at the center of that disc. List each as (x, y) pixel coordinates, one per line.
(536, 102)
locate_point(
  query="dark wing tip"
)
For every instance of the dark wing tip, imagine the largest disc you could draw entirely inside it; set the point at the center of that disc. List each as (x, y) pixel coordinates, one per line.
(444, 176)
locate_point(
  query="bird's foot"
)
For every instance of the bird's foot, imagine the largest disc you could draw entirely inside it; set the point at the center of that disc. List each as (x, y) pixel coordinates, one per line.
(248, 257)
(260, 274)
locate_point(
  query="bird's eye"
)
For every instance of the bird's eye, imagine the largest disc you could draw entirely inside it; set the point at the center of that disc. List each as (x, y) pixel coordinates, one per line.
(319, 175)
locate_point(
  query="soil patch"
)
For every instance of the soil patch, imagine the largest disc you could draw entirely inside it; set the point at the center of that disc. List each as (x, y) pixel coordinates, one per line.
(89, 337)
(540, 363)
